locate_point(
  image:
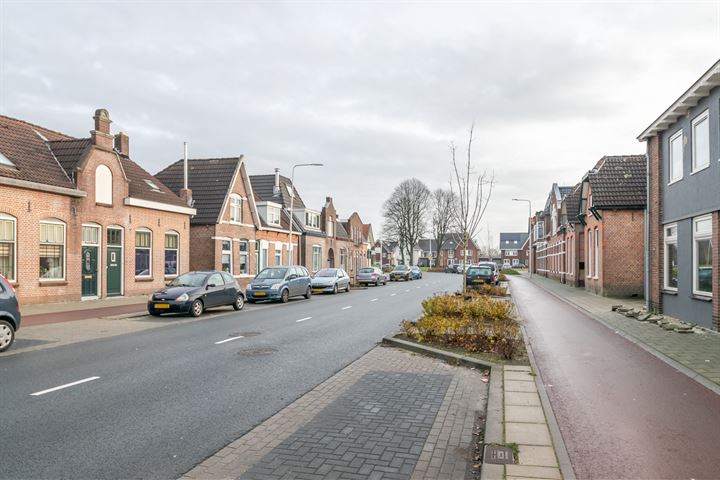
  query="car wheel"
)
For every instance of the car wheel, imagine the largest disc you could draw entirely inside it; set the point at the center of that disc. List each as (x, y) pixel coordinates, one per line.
(7, 335)
(377, 283)
(239, 303)
(334, 289)
(285, 296)
(308, 294)
(347, 288)
(196, 309)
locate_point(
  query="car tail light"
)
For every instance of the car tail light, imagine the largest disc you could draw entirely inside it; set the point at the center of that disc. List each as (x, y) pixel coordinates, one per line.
(8, 282)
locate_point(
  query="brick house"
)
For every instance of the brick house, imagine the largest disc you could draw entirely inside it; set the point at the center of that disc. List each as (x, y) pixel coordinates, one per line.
(513, 249)
(387, 257)
(550, 247)
(358, 239)
(223, 232)
(79, 219)
(612, 216)
(683, 148)
(574, 238)
(452, 251)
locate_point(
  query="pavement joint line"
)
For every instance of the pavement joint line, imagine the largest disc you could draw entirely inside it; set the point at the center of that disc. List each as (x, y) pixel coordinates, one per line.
(303, 319)
(345, 308)
(229, 339)
(67, 385)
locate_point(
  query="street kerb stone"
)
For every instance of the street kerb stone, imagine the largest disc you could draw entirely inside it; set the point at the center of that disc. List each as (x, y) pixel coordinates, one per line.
(522, 398)
(390, 414)
(518, 376)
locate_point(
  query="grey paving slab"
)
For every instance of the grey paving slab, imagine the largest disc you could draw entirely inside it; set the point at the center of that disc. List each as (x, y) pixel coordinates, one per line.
(524, 414)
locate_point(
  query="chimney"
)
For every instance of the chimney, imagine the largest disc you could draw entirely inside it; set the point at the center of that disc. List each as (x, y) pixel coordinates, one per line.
(328, 200)
(185, 192)
(122, 144)
(100, 136)
(276, 187)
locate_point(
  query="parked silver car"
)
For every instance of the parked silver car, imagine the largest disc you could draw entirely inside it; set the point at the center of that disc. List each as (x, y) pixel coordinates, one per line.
(496, 270)
(372, 276)
(330, 280)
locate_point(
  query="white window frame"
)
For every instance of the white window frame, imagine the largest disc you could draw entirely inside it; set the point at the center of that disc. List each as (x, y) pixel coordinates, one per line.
(236, 207)
(150, 248)
(246, 254)
(597, 253)
(316, 257)
(330, 229)
(278, 256)
(224, 252)
(668, 240)
(103, 193)
(273, 214)
(589, 255)
(674, 176)
(702, 117)
(14, 242)
(64, 250)
(699, 237)
(312, 220)
(177, 254)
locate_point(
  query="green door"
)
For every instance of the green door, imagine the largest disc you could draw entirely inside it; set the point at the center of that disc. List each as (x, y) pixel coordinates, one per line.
(114, 271)
(89, 271)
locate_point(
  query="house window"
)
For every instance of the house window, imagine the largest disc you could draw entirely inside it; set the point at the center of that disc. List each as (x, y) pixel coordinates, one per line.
(589, 253)
(316, 253)
(226, 256)
(5, 161)
(554, 220)
(244, 256)
(257, 256)
(273, 215)
(312, 220)
(7, 247)
(676, 157)
(263, 257)
(343, 258)
(702, 255)
(597, 253)
(52, 250)
(330, 229)
(700, 142)
(103, 185)
(172, 247)
(278, 255)
(235, 208)
(143, 253)
(515, 262)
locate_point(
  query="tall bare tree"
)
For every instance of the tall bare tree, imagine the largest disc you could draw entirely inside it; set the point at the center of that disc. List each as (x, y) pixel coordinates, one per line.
(441, 217)
(404, 214)
(473, 189)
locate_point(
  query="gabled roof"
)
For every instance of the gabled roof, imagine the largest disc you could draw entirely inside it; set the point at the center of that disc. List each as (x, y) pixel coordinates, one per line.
(26, 146)
(209, 179)
(699, 90)
(69, 152)
(572, 204)
(456, 238)
(619, 182)
(139, 187)
(340, 230)
(428, 245)
(263, 186)
(513, 240)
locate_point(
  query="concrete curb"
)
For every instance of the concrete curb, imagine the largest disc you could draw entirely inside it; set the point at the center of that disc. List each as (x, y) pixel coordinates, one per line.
(437, 353)
(710, 385)
(561, 452)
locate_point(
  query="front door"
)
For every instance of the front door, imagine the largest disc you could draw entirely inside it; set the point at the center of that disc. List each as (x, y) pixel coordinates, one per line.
(114, 271)
(89, 271)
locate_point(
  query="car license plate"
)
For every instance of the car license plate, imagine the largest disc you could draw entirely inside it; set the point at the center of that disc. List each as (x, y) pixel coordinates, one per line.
(477, 280)
(162, 305)
(317, 290)
(260, 294)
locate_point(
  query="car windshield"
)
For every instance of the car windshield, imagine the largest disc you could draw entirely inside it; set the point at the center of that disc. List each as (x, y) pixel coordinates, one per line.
(272, 274)
(367, 270)
(401, 268)
(192, 279)
(327, 272)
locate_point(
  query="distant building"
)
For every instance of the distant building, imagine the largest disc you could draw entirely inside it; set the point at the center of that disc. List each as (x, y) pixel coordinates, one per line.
(513, 249)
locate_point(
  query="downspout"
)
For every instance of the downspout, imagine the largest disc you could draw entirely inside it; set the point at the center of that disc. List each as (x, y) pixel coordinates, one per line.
(646, 236)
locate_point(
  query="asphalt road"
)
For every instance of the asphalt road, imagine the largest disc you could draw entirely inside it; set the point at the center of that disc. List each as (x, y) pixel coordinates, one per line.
(622, 412)
(167, 398)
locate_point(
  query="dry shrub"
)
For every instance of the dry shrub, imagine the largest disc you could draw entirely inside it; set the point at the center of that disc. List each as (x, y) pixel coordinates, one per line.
(486, 289)
(476, 324)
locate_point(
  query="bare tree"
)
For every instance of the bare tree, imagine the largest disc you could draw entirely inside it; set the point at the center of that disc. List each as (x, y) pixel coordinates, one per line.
(473, 189)
(441, 217)
(404, 214)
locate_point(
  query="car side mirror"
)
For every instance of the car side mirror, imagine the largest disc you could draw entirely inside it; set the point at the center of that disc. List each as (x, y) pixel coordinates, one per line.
(210, 285)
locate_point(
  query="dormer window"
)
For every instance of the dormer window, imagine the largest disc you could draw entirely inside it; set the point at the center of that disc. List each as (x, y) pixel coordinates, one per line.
(153, 186)
(235, 208)
(5, 161)
(273, 214)
(312, 220)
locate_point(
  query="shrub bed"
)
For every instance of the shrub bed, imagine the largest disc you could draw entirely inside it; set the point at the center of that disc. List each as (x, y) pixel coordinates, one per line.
(485, 289)
(510, 271)
(475, 323)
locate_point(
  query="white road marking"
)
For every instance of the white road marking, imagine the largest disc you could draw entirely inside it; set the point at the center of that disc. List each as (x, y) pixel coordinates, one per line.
(393, 294)
(228, 340)
(303, 319)
(407, 290)
(84, 380)
(345, 308)
(374, 300)
(418, 288)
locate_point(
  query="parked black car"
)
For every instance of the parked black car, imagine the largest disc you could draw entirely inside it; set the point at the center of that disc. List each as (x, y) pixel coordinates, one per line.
(479, 275)
(451, 269)
(194, 292)
(9, 314)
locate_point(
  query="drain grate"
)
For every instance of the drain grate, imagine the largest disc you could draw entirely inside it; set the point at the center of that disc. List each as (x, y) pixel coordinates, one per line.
(256, 352)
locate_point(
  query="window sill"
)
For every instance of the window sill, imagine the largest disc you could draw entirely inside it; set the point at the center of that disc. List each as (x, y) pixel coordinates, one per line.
(675, 181)
(666, 291)
(144, 279)
(700, 169)
(702, 298)
(169, 276)
(53, 283)
(106, 205)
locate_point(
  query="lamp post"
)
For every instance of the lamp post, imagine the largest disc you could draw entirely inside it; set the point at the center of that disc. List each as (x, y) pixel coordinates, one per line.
(530, 265)
(292, 200)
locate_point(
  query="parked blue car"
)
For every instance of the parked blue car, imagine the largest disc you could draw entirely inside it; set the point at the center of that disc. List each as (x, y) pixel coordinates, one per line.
(279, 283)
(9, 314)
(416, 273)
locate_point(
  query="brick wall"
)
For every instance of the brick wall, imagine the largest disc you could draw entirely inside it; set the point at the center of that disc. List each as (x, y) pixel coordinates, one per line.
(655, 209)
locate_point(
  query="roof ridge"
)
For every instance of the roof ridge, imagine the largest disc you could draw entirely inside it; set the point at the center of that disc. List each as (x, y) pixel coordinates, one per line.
(70, 137)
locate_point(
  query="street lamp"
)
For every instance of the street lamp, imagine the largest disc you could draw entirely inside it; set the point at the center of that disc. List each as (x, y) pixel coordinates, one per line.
(530, 266)
(292, 199)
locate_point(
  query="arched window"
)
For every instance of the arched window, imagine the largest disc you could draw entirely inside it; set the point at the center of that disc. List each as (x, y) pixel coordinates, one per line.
(8, 227)
(103, 185)
(52, 250)
(143, 253)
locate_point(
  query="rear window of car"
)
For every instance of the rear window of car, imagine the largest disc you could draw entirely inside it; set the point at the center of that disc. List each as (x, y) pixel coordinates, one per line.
(479, 271)
(367, 270)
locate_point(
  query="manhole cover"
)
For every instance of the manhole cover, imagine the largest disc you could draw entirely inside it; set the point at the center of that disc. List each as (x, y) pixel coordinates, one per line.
(256, 352)
(498, 454)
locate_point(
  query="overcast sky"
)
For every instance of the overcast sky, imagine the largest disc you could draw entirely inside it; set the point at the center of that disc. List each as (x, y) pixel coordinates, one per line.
(375, 91)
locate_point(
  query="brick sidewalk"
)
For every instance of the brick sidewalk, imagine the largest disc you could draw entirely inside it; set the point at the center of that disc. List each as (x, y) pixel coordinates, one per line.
(698, 352)
(391, 414)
